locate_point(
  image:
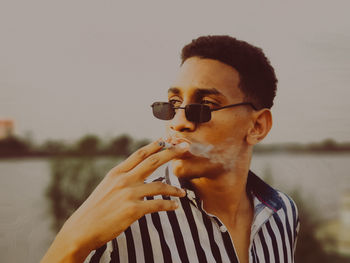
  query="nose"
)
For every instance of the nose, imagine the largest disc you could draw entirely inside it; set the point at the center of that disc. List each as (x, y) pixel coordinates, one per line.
(180, 124)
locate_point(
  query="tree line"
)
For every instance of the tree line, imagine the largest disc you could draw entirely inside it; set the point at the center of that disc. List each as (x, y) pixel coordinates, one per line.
(88, 145)
(123, 145)
(327, 145)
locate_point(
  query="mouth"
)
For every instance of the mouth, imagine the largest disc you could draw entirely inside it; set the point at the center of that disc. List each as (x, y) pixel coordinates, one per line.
(174, 140)
(197, 150)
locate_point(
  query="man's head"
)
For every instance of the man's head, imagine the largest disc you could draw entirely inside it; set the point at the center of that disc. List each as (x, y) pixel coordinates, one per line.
(257, 78)
(217, 71)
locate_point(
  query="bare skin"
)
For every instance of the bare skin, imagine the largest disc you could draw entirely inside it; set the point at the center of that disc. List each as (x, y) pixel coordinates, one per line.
(115, 204)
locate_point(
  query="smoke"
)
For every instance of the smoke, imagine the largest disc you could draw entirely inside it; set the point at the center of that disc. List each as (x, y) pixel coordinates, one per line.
(201, 150)
(225, 153)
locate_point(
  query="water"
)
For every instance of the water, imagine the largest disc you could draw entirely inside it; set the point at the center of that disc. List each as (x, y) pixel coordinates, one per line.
(24, 223)
(25, 232)
(320, 178)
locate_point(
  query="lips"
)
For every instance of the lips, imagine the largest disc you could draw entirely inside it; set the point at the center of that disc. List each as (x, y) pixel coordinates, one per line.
(197, 150)
(174, 140)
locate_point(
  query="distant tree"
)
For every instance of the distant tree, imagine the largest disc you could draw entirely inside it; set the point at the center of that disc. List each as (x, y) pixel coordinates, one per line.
(120, 146)
(13, 146)
(28, 139)
(88, 144)
(329, 145)
(138, 144)
(53, 147)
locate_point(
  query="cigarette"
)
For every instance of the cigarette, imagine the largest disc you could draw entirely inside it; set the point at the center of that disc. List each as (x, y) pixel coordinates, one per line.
(166, 145)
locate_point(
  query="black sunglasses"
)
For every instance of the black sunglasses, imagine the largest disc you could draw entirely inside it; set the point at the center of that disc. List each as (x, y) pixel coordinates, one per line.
(197, 113)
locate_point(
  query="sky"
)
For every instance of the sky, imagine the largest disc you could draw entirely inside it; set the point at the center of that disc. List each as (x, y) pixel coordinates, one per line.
(70, 68)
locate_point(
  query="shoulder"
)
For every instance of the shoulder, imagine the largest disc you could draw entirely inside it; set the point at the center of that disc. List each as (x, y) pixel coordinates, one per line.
(285, 211)
(289, 214)
(276, 200)
(288, 205)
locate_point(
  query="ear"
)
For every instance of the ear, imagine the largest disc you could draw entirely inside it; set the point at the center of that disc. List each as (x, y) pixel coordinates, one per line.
(261, 125)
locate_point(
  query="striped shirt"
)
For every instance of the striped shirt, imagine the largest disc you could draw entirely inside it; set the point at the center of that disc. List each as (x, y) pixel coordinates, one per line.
(190, 234)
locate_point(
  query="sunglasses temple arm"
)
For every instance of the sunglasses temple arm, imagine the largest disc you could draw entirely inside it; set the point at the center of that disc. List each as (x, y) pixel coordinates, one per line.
(235, 105)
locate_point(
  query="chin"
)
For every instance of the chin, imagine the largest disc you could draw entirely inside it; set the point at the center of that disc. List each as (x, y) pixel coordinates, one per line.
(182, 168)
(197, 168)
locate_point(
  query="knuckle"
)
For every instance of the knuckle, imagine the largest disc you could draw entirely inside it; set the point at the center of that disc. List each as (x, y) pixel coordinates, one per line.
(132, 210)
(161, 206)
(114, 172)
(159, 186)
(154, 161)
(173, 190)
(167, 189)
(129, 195)
(111, 174)
(122, 182)
(116, 169)
(142, 153)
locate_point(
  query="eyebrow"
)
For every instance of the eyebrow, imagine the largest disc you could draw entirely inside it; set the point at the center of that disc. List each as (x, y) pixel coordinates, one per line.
(198, 92)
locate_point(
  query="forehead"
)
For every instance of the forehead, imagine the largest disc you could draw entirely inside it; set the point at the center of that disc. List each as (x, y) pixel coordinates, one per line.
(197, 73)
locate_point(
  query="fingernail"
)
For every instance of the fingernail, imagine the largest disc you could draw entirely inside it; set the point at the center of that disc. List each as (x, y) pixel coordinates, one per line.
(176, 204)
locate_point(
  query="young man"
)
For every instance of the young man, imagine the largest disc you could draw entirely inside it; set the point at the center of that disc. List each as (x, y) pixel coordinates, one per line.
(217, 110)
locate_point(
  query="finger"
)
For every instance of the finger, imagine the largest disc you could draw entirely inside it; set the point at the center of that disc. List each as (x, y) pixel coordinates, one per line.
(151, 163)
(158, 188)
(138, 156)
(152, 206)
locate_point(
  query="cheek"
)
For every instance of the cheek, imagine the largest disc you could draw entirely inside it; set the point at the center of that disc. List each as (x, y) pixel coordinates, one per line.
(229, 128)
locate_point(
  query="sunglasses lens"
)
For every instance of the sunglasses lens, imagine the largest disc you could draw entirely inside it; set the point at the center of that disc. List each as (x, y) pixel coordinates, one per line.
(198, 113)
(163, 110)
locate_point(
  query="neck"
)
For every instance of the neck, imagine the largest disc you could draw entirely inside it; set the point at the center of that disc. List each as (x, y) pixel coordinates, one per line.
(225, 195)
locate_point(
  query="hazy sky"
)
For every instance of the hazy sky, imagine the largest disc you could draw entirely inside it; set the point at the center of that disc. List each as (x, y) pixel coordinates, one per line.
(68, 68)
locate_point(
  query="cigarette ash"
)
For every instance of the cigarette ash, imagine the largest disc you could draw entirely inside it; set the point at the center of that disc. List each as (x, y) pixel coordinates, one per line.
(165, 145)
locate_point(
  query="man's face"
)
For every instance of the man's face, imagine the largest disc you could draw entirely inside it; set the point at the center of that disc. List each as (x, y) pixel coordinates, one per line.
(212, 83)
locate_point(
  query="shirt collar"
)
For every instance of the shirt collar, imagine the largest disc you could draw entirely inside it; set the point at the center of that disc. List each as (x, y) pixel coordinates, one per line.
(267, 195)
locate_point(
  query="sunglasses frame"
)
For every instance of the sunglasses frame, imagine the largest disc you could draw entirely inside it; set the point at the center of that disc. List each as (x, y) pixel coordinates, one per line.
(202, 106)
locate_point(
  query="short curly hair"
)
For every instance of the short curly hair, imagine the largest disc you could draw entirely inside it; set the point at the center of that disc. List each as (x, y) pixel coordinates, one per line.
(257, 77)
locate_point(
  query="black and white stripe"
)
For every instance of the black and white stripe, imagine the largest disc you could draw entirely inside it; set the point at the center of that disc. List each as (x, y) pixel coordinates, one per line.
(189, 234)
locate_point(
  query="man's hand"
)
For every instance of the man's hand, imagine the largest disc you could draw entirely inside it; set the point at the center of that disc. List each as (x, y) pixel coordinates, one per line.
(116, 203)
